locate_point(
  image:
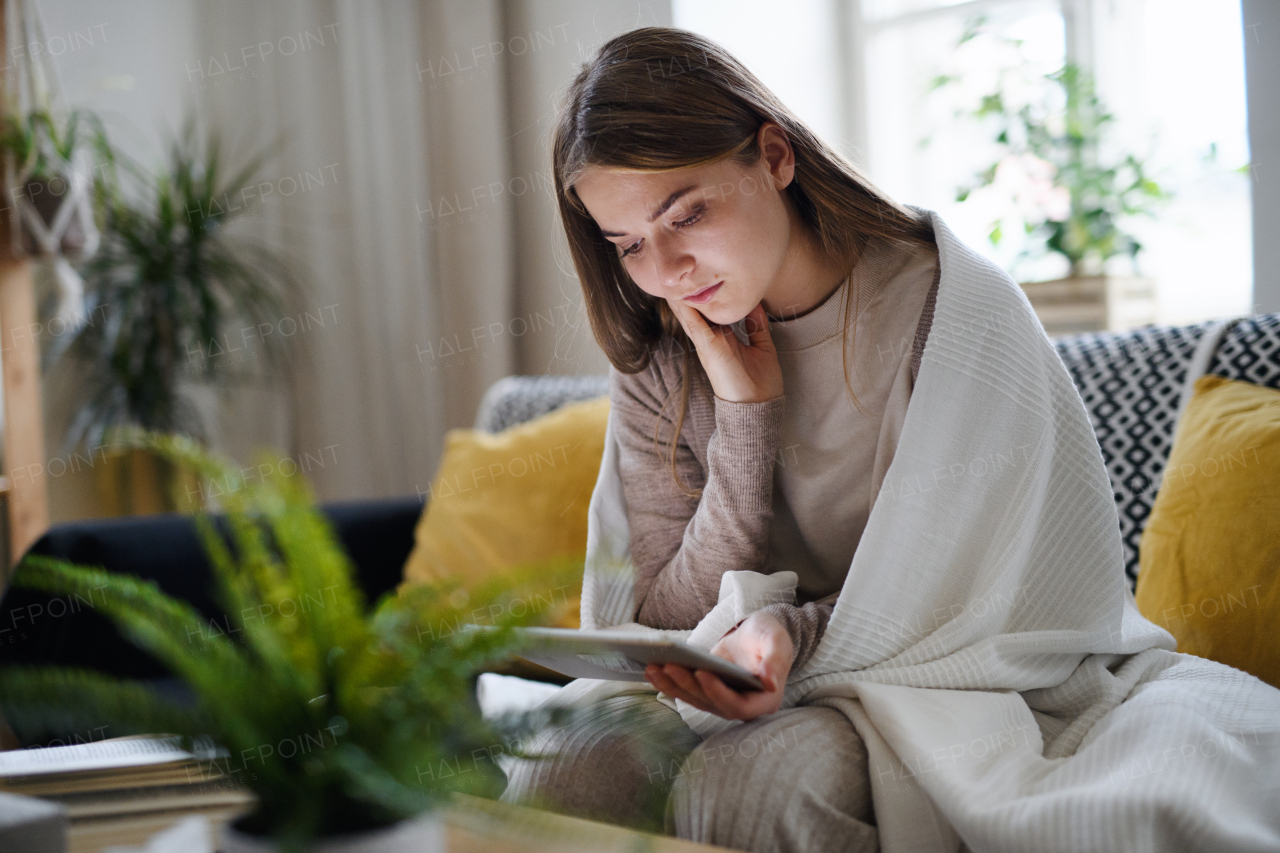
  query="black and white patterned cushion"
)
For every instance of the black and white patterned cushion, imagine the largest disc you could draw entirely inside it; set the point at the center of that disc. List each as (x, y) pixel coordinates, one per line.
(1131, 384)
(1250, 351)
(515, 399)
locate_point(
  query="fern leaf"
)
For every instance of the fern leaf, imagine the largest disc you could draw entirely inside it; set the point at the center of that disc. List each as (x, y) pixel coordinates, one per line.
(169, 629)
(43, 703)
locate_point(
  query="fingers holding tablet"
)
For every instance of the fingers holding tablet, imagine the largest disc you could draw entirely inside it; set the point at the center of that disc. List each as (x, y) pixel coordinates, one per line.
(707, 692)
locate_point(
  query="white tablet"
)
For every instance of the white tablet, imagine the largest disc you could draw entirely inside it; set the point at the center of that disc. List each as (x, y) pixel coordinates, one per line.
(617, 656)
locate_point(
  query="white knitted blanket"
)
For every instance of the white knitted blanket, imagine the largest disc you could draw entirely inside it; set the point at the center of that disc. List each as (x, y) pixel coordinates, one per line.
(985, 644)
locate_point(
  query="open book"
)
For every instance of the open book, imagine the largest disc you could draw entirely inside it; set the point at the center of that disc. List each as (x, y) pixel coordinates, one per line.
(121, 789)
(103, 756)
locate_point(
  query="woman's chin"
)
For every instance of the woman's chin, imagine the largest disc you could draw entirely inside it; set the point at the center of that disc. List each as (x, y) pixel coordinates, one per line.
(722, 314)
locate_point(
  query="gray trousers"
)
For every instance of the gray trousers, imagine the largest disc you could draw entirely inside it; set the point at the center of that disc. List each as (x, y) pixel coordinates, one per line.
(793, 781)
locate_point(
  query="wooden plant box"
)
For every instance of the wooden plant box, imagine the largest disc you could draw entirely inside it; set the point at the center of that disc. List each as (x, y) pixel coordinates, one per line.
(1095, 303)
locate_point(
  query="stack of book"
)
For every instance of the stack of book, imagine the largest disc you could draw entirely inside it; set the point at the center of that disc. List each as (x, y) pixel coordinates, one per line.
(121, 791)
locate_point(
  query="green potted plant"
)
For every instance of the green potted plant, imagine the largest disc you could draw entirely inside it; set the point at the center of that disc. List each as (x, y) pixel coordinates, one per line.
(171, 283)
(1070, 199)
(48, 176)
(393, 695)
(42, 172)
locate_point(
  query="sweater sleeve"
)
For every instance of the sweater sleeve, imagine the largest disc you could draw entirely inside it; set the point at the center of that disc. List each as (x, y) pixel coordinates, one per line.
(682, 545)
(806, 624)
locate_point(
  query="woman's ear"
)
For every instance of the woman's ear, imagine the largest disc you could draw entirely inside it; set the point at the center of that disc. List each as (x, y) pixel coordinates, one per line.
(777, 154)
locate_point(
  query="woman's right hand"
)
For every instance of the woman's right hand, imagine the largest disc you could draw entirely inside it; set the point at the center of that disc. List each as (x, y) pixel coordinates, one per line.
(760, 645)
(739, 373)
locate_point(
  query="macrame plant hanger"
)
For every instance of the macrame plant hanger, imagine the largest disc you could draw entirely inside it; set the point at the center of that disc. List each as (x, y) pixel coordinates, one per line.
(54, 210)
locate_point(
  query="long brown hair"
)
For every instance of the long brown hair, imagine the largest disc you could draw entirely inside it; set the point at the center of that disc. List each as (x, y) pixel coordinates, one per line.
(659, 98)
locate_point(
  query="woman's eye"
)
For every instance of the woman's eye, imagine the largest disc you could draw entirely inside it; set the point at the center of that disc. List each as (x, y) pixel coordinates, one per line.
(685, 223)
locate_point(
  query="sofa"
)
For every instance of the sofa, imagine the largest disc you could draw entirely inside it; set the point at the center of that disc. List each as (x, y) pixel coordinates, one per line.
(1133, 385)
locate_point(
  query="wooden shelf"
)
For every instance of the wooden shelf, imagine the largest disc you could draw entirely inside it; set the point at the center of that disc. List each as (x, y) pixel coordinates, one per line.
(23, 413)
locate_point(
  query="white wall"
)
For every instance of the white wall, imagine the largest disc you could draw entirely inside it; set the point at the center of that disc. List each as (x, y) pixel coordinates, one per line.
(795, 49)
(1261, 19)
(133, 73)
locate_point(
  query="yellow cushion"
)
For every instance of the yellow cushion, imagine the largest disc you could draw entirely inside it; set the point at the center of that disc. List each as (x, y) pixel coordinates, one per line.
(1209, 559)
(513, 499)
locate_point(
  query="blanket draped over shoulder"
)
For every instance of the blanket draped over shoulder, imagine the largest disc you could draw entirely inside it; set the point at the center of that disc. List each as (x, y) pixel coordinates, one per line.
(985, 644)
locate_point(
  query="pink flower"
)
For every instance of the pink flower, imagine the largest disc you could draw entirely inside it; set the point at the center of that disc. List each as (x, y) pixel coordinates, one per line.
(1028, 180)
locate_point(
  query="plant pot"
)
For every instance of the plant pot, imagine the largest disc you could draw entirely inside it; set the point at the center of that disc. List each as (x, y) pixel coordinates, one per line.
(423, 834)
(135, 481)
(47, 196)
(1094, 303)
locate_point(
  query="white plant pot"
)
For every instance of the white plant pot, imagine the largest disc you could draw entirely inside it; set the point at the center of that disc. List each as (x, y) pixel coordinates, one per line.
(425, 834)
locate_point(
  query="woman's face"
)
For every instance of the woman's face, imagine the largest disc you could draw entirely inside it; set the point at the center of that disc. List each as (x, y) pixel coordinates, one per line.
(722, 230)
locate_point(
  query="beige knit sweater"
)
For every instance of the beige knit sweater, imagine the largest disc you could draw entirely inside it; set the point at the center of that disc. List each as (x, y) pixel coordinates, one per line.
(748, 457)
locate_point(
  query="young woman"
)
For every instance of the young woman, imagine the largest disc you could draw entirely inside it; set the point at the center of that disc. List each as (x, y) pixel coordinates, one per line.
(984, 666)
(699, 208)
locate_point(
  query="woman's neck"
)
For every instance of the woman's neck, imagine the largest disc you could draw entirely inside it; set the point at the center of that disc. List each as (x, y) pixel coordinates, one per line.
(808, 276)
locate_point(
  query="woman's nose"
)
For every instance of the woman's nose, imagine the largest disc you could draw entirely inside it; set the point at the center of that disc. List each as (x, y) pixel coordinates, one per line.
(671, 264)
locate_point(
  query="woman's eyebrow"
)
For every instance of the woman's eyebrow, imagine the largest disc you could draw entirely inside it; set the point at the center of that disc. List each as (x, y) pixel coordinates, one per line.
(662, 208)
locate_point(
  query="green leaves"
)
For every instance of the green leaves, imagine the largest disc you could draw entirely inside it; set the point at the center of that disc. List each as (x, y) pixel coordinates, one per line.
(1063, 130)
(169, 286)
(152, 620)
(42, 702)
(340, 719)
(39, 140)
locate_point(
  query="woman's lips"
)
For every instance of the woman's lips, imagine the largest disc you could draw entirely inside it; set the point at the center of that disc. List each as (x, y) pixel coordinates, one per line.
(704, 294)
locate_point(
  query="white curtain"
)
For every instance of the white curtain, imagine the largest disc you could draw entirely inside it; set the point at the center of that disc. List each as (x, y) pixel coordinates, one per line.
(418, 133)
(369, 146)
(411, 186)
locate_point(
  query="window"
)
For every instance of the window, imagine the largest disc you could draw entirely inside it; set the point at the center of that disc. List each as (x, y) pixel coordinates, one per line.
(917, 149)
(1170, 71)
(800, 61)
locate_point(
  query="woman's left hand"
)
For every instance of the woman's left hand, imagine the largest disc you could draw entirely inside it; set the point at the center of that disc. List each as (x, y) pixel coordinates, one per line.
(761, 645)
